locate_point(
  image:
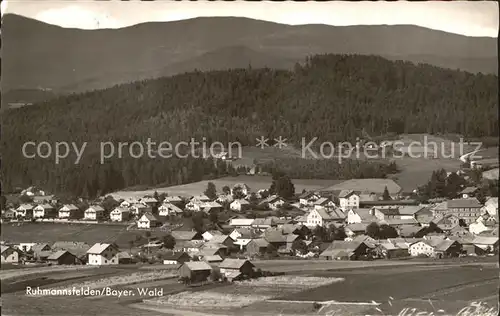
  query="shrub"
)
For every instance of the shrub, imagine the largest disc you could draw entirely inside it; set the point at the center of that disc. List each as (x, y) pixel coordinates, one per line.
(316, 306)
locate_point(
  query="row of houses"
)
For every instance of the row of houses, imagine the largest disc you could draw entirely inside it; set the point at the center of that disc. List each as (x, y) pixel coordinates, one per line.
(434, 246)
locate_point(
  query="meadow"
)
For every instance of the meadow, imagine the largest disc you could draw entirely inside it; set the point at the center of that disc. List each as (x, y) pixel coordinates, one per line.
(52, 232)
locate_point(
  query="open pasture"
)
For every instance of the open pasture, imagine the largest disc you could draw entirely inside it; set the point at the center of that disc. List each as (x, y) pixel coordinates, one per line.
(52, 232)
(254, 182)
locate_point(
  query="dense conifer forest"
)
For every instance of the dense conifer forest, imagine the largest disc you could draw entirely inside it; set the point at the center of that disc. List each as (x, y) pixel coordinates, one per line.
(332, 97)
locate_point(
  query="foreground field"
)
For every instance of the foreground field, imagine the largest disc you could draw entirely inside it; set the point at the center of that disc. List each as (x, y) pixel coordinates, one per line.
(52, 232)
(449, 285)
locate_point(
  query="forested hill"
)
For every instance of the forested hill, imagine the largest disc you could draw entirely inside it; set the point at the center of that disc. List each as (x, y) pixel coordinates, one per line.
(40, 55)
(332, 97)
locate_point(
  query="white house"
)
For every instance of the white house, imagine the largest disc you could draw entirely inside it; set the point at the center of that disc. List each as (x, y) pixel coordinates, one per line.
(420, 248)
(194, 205)
(274, 202)
(323, 217)
(148, 221)
(128, 203)
(308, 198)
(355, 216)
(324, 203)
(25, 246)
(102, 254)
(9, 254)
(94, 213)
(169, 209)
(241, 222)
(68, 211)
(208, 235)
(478, 227)
(239, 205)
(348, 199)
(44, 211)
(25, 211)
(243, 188)
(119, 214)
(491, 206)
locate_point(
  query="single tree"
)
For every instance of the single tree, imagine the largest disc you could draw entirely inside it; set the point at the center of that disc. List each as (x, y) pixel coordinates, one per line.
(211, 191)
(386, 196)
(373, 230)
(213, 217)
(168, 242)
(282, 186)
(226, 190)
(386, 231)
(299, 246)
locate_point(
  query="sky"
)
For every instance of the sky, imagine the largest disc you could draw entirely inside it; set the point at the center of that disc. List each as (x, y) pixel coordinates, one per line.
(470, 18)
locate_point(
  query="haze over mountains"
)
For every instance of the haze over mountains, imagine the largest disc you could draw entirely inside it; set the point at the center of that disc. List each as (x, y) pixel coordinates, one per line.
(38, 55)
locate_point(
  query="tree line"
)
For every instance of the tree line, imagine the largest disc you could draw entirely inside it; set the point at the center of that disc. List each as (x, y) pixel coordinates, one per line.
(332, 97)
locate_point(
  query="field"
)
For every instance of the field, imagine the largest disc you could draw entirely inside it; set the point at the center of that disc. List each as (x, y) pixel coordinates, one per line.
(414, 171)
(254, 182)
(52, 232)
(392, 285)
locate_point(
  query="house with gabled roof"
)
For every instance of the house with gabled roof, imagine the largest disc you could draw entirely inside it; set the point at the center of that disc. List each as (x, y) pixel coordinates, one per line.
(489, 244)
(69, 211)
(212, 259)
(308, 198)
(148, 221)
(194, 205)
(175, 257)
(324, 202)
(355, 229)
(274, 202)
(195, 271)
(242, 236)
(9, 254)
(44, 211)
(183, 235)
(257, 246)
(239, 205)
(360, 215)
(103, 254)
(94, 213)
(119, 214)
(345, 250)
(447, 222)
(167, 209)
(233, 269)
(25, 211)
(324, 217)
(467, 209)
(63, 257)
(221, 240)
(348, 199)
(212, 206)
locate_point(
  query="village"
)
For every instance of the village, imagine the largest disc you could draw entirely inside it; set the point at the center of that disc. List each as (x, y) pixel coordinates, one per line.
(225, 233)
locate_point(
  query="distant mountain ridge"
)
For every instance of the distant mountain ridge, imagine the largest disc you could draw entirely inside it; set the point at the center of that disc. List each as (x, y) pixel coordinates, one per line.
(37, 54)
